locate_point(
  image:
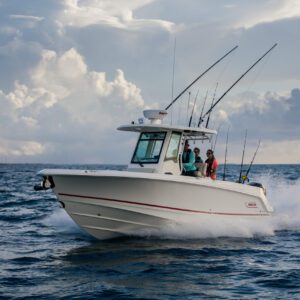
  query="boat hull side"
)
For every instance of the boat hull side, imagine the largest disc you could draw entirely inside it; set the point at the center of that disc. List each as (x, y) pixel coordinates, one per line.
(104, 222)
(107, 206)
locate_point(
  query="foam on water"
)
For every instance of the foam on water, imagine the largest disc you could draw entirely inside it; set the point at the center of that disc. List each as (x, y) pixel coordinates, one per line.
(61, 221)
(285, 198)
(283, 195)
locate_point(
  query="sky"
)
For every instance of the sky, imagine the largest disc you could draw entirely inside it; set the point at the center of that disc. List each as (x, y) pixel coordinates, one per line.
(72, 71)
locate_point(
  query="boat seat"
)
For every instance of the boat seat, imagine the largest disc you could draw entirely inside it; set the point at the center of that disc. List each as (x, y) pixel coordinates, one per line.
(201, 169)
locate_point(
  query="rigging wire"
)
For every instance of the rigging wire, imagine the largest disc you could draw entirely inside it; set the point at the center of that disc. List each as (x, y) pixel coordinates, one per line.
(222, 71)
(230, 59)
(257, 74)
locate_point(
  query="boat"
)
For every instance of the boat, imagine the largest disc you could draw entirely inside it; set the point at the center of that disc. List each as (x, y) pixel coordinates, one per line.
(152, 192)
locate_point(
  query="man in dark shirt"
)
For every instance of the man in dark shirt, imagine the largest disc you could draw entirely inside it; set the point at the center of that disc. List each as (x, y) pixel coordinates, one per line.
(198, 159)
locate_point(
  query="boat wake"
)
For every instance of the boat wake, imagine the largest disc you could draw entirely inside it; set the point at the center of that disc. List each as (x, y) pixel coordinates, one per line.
(284, 196)
(62, 222)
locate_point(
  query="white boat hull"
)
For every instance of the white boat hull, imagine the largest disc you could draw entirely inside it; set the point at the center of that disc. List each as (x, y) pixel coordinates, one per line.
(109, 204)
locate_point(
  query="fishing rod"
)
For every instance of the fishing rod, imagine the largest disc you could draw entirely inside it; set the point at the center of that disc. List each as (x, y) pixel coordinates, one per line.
(201, 75)
(190, 122)
(212, 103)
(225, 160)
(188, 105)
(200, 119)
(224, 94)
(245, 177)
(242, 163)
(213, 145)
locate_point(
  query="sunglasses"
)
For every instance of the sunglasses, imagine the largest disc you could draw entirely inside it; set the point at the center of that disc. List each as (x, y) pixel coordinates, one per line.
(208, 153)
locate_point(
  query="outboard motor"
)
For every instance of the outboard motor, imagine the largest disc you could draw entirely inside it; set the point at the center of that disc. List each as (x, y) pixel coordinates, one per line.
(46, 184)
(258, 184)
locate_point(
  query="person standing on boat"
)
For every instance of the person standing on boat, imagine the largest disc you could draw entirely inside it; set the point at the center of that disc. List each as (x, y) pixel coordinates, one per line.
(198, 158)
(212, 165)
(188, 160)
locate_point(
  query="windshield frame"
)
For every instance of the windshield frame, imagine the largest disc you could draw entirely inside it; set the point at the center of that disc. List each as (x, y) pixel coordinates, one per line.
(136, 160)
(173, 157)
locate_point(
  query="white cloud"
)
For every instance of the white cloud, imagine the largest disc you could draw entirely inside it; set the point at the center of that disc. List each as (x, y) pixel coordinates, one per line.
(285, 151)
(118, 14)
(27, 17)
(67, 76)
(251, 101)
(20, 148)
(9, 31)
(31, 148)
(270, 11)
(270, 151)
(64, 93)
(23, 96)
(222, 116)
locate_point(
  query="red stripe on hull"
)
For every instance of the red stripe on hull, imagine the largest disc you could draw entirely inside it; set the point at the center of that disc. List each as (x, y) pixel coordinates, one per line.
(161, 206)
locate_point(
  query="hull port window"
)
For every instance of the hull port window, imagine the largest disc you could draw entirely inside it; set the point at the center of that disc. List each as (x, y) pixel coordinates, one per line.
(148, 148)
(172, 152)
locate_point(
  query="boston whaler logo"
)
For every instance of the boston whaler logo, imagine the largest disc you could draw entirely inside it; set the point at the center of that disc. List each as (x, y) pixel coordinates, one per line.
(251, 204)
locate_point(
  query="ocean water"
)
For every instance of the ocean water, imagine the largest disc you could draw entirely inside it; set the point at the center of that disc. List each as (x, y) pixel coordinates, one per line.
(44, 255)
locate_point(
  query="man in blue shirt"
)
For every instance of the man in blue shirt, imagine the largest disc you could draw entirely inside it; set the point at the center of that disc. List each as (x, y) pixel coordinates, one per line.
(188, 160)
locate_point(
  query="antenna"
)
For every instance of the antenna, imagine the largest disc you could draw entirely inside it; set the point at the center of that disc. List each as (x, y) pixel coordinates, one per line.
(173, 75)
(242, 163)
(225, 161)
(201, 75)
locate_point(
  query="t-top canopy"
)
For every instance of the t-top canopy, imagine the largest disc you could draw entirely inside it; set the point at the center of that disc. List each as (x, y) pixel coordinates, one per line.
(190, 132)
(156, 116)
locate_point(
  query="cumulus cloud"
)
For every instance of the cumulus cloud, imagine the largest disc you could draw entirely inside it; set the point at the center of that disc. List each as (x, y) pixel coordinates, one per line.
(66, 95)
(272, 117)
(269, 111)
(67, 75)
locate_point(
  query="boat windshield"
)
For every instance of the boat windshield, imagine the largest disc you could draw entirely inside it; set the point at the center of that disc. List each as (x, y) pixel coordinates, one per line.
(148, 148)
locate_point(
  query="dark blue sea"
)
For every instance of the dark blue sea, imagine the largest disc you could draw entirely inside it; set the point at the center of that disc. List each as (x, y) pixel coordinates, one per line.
(44, 255)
